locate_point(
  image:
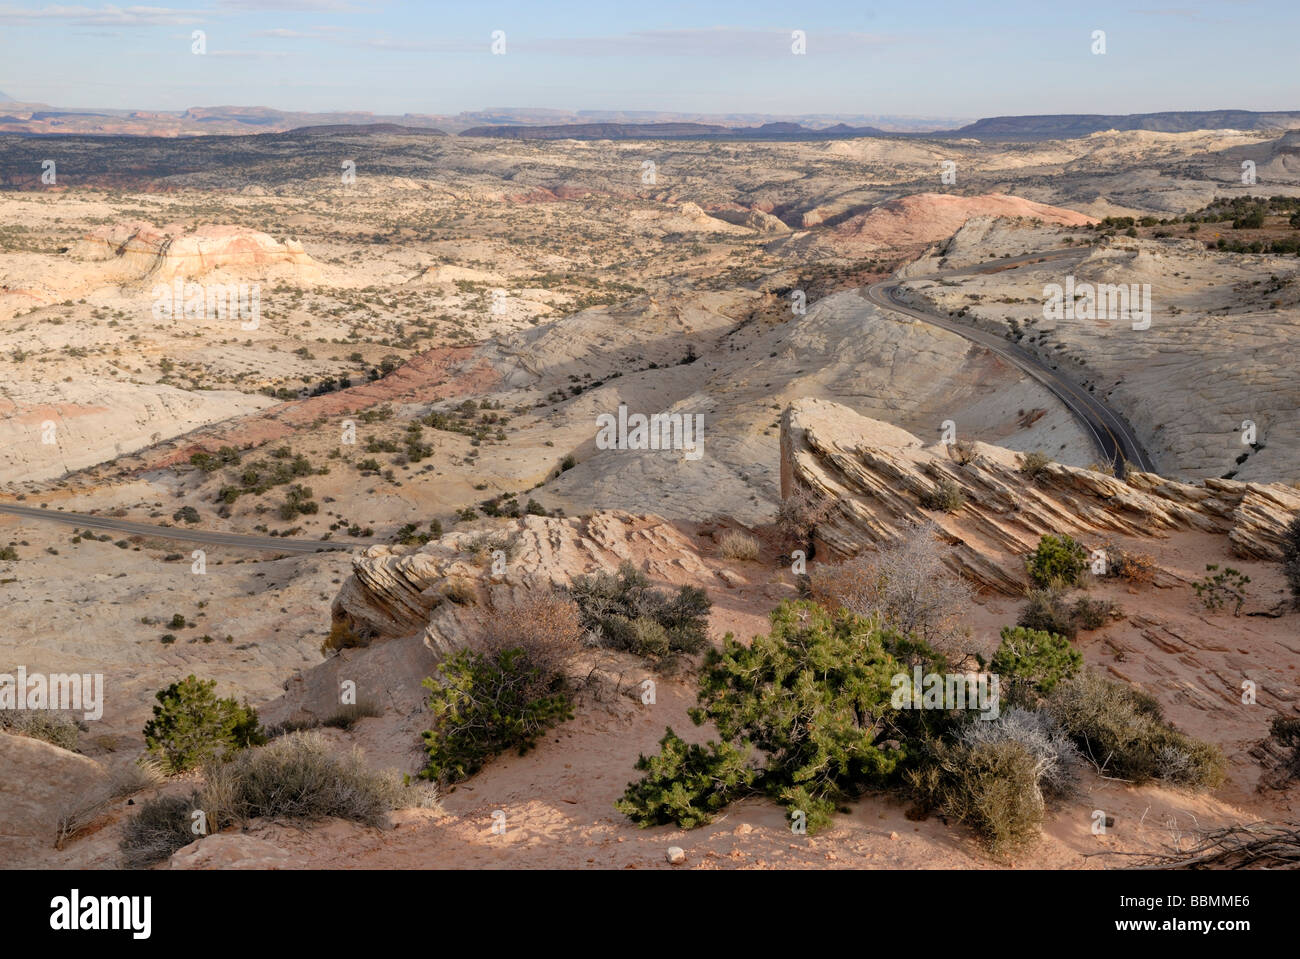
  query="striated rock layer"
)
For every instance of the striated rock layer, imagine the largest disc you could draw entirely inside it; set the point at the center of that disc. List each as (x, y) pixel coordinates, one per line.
(167, 252)
(439, 589)
(876, 473)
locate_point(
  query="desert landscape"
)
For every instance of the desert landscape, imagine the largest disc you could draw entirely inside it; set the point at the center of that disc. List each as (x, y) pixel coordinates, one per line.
(561, 489)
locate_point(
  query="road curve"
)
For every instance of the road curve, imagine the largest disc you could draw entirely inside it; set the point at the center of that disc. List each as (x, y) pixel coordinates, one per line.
(1110, 432)
(274, 543)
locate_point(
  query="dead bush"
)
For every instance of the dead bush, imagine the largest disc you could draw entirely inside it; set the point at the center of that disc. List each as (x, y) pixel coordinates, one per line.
(1138, 569)
(545, 624)
(906, 584)
(798, 515)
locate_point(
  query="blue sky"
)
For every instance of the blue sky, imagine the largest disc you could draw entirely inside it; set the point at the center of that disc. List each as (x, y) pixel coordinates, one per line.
(939, 58)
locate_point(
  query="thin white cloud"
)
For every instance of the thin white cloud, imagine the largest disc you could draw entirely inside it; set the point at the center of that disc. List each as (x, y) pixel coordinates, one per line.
(108, 15)
(707, 41)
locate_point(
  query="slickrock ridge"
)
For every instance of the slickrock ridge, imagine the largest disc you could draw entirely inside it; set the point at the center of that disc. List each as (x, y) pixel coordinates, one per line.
(439, 588)
(165, 252)
(876, 473)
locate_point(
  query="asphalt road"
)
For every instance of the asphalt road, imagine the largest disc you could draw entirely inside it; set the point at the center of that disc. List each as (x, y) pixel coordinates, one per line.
(1112, 435)
(273, 543)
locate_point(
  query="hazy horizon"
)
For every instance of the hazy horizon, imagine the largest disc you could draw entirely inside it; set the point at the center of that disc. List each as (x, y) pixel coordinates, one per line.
(393, 59)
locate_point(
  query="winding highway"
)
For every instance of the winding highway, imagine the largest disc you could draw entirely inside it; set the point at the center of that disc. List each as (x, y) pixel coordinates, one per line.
(274, 543)
(1113, 436)
(1110, 432)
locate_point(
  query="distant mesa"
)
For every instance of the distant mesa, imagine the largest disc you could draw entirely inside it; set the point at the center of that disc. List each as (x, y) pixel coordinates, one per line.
(667, 131)
(1069, 125)
(154, 253)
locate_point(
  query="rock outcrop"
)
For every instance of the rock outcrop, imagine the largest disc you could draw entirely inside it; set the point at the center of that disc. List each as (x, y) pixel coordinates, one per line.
(162, 253)
(441, 588)
(876, 474)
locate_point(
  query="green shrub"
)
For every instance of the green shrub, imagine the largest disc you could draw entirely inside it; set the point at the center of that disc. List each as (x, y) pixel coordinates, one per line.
(686, 784)
(1058, 561)
(1091, 613)
(813, 697)
(1035, 658)
(1123, 732)
(191, 725)
(625, 612)
(485, 704)
(8, 554)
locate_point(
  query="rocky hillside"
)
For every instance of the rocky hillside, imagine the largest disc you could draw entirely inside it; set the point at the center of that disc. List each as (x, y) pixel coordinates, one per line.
(876, 475)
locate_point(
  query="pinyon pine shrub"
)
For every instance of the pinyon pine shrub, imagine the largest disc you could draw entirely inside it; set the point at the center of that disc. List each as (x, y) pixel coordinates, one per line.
(1057, 561)
(191, 725)
(687, 784)
(1031, 661)
(485, 703)
(810, 703)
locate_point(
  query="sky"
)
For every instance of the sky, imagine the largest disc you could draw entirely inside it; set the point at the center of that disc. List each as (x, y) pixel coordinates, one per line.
(924, 58)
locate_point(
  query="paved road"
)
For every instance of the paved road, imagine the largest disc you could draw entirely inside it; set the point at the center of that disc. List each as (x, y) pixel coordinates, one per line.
(273, 543)
(1111, 434)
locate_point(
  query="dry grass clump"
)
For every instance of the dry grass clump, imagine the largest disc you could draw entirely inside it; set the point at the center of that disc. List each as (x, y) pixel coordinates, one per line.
(1137, 569)
(83, 814)
(294, 778)
(1123, 732)
(738, 546)
(51, 726)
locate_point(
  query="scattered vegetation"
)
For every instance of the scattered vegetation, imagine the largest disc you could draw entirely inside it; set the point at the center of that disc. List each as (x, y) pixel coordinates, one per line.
(1225, 586)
